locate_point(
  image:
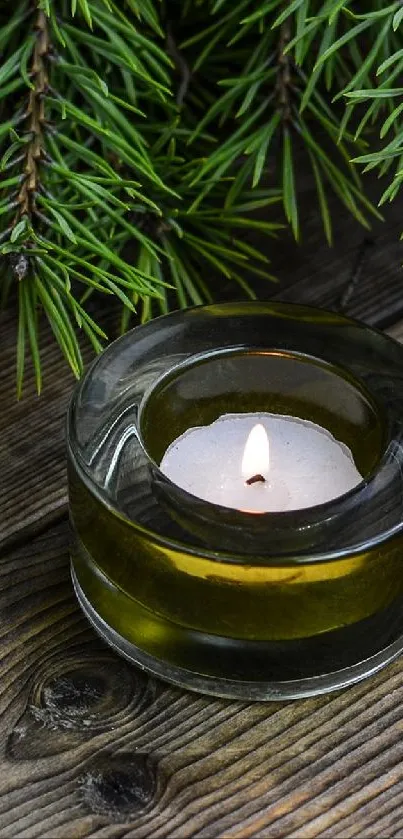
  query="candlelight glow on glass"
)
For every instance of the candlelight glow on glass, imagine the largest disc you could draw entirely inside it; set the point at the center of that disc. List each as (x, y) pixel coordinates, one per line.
(286, 463)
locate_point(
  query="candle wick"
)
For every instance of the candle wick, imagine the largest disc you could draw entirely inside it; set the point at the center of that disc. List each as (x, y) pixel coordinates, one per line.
(255, 479)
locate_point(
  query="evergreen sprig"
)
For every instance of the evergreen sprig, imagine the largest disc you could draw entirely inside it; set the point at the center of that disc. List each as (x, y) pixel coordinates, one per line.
(140, 140)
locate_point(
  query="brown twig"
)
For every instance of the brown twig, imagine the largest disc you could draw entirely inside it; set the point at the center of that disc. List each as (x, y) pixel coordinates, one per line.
(283, 85)
(35, 117)
(181, 65)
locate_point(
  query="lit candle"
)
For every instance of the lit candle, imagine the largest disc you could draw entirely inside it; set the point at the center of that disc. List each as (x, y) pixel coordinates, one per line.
(261, 463)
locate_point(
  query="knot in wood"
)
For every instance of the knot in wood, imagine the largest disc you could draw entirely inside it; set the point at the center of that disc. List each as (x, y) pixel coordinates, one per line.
(119, 786)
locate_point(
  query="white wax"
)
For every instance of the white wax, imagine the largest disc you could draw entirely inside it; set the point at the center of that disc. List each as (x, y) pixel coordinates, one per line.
(308, 466)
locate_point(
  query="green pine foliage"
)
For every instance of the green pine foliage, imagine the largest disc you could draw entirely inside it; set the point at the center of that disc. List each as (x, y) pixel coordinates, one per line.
(140, 140)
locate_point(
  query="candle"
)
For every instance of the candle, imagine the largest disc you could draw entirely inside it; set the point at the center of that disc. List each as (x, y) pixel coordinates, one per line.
(227, 599)
(261, 463)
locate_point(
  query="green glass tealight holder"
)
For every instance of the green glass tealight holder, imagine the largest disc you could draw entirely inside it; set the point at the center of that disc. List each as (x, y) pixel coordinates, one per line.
(273, 605)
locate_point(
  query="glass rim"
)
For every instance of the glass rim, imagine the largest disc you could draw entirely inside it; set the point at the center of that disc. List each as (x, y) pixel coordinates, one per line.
(218, 555)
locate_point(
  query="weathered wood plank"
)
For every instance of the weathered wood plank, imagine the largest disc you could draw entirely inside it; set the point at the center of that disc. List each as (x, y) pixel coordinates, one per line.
(32, 455)
(396, 331)
(312, 273)
(91, 747)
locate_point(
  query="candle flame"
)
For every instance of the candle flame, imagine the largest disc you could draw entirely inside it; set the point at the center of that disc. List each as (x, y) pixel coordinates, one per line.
(256, 458)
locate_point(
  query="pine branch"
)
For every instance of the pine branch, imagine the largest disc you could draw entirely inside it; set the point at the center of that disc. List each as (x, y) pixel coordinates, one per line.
(35, 119)
(283, 34)
(136, 152)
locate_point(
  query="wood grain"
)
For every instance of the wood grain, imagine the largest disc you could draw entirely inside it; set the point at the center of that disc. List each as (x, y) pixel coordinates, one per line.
(311, 272)
(318, 275)
(90, 747)
(396, 331)
(32, 450)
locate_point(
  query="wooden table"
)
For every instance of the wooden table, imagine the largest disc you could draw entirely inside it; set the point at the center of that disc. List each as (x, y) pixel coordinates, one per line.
(90, 747)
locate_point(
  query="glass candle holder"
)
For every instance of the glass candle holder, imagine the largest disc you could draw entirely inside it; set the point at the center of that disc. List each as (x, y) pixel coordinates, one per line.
(271, 605)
